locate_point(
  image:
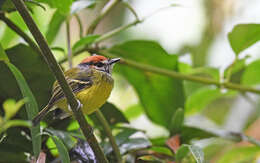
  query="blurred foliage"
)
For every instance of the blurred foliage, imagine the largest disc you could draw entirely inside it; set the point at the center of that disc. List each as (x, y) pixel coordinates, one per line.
(170, 103)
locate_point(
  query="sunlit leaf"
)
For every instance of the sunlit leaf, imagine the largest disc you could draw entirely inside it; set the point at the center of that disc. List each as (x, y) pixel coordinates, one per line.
(54, 26)
(11, 107)
(84, 41)
(251, 74)
(202, 97)
(243, 36)
(240, 154)
(3, 56)
(159, 95)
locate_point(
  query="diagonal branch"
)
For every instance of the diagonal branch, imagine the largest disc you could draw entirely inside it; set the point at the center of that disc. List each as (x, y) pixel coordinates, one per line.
(50, 60)
(21, 33)
(102, 14)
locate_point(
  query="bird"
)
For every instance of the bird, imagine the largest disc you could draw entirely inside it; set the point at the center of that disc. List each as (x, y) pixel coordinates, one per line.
(90, 81)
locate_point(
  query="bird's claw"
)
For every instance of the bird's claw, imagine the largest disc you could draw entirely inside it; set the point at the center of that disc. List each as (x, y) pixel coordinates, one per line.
(78, 106)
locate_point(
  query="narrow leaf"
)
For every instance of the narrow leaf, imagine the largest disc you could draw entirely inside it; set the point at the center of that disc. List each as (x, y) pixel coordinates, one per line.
(85, 41)
(3, 55)
(31, 107)
(177, 121)
(11, 107)
(63, 153)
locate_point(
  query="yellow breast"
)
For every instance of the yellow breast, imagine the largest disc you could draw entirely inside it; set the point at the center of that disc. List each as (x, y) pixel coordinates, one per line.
(92, 98)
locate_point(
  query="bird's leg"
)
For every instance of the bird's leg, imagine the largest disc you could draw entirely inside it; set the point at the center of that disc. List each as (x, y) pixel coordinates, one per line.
(78, 107)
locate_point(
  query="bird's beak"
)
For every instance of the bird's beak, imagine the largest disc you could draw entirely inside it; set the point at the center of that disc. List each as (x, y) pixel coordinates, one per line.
(113, 61)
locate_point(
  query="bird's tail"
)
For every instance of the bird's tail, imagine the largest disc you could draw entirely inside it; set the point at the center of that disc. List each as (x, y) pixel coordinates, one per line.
(41, 114)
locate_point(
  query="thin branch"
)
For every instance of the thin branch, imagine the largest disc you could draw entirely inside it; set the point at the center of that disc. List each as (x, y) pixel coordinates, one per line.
(180, 76)
(19, 32)
(80, 25)
(131, 9)
(116, 31)
(68, 42)
(111, 138)
(102, 14)
(50, 60)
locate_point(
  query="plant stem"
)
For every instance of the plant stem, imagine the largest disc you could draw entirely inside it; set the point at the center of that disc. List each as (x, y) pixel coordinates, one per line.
(131, 9)
(111, 138)
(17, 30)
(80, 25)
(68, 42)
(102, 14)
(116, 31)
(180, 76)
(50, 60)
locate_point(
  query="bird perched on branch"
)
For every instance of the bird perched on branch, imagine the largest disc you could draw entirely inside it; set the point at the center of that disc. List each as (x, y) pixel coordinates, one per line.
(91, 81)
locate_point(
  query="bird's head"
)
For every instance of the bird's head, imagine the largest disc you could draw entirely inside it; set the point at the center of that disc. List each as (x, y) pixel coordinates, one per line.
(100, 63)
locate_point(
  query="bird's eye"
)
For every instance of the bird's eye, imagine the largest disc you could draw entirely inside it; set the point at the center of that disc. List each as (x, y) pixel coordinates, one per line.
(99, 64)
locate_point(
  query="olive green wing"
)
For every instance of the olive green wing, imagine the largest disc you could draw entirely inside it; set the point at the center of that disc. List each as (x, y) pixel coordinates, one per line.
(77, 83)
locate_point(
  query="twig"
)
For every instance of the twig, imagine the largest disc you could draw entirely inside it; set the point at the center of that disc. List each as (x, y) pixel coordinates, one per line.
(50, 60)
(131, 9)
(102, 14)
(80, 25)
(180, 76)
(68, 42)
(17, 30)
(116, 31)
(111, 138)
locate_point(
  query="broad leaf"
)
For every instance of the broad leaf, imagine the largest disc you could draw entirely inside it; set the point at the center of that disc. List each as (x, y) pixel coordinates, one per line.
(159, 95)
(243, 36)
(245, 153)
(54, 26)
(251, 74)
(202, 97)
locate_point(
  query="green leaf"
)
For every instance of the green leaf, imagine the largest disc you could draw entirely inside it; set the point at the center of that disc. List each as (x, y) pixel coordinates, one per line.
(84, 41)
(3, 56)
(31, 107)
(182, 152)
(240, 154)
(202, 97)
(133, 111)
(251, 74)
(197, 153)
(189, 133)
(243, 36)
(63, 7)
(159, 95)
(15, 123)
(39, 78)
(177, 121)
(112, 114)
(81, 4)
(235, 71)
(54, 26)
(63, 153)
(66, 137)
(134, 144)
(11, 107)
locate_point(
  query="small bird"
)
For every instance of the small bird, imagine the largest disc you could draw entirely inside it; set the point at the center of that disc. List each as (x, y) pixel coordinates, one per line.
(91, 81)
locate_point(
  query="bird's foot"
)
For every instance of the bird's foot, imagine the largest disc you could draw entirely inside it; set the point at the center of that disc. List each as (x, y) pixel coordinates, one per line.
(78, 106)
